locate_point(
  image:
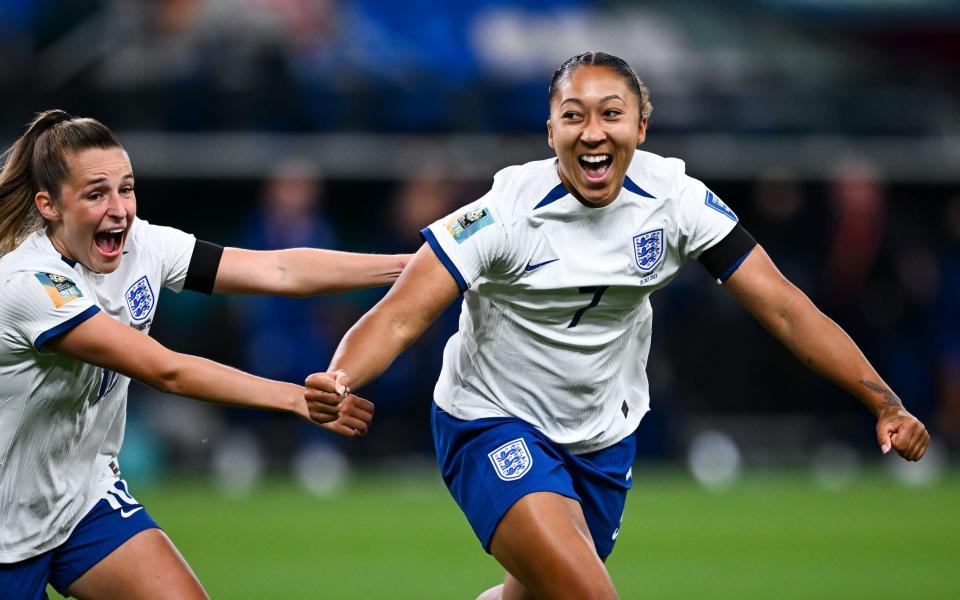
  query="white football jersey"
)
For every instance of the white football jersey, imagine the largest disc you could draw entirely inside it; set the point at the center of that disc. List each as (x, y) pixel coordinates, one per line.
(556, 319)
(62, 420)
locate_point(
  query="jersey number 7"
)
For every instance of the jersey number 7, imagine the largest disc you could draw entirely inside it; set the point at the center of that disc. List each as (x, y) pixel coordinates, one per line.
(597, 291)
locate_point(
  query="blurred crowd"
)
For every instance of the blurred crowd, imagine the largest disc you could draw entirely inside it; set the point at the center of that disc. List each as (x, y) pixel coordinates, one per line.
(435, 66)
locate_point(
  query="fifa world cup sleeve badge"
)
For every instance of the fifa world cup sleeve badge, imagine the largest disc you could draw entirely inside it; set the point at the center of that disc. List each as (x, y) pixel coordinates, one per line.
(59, 288)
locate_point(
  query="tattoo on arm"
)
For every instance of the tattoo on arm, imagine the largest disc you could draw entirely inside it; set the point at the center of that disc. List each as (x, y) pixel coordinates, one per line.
(889, 397)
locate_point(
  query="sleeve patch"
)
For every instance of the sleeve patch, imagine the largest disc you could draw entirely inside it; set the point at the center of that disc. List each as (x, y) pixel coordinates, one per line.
(60, 289)
(718, 205)
(463, 226)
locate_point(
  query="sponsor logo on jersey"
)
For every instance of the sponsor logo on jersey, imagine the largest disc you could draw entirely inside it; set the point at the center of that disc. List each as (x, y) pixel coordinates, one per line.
(532, 266)
(463, 226)
(140, 299)
(512, 460)
(648, 249)
(718, 205)
(60, 289)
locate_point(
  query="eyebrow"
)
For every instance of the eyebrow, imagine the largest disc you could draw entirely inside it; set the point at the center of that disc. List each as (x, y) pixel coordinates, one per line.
(100, 180)
(602, 100)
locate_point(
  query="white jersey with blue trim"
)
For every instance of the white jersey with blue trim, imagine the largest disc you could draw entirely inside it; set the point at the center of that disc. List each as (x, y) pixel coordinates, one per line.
(62, 420)
(556, 319)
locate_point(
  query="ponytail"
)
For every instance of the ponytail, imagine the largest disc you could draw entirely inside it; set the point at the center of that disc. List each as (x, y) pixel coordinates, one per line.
(36, 162)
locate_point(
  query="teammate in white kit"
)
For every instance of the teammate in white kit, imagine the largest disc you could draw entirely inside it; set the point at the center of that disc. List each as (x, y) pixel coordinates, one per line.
(80, 277)
(544, 383)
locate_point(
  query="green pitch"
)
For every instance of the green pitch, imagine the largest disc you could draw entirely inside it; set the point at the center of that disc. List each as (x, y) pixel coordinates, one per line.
(772, 536)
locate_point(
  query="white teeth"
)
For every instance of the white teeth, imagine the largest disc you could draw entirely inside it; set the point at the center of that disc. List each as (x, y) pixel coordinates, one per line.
(115, 231)
(590, 158)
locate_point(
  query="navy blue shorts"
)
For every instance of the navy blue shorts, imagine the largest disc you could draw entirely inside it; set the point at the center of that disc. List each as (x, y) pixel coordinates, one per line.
(488, 464)
(116, 518)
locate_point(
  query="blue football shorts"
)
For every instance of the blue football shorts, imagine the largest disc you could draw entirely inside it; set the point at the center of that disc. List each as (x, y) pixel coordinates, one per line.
(489, 464)
(116, 518)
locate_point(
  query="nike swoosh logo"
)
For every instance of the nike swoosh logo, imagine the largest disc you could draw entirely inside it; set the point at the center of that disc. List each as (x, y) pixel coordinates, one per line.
(534, 267)
(127, 513)
(615, 534)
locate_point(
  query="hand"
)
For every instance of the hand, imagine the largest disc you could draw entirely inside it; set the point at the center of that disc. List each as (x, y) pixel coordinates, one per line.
(898, 429)
(324, 395)
(356, 413)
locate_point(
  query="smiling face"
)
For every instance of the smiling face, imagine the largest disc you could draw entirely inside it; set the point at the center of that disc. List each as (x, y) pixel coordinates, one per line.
(90, 220)
(594, 127)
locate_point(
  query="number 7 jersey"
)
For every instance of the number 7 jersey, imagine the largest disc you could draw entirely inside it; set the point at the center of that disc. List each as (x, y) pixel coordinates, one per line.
(556, 319)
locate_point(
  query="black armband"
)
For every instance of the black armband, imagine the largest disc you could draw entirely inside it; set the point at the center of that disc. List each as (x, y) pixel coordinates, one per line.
(723, 258)
(202, 272)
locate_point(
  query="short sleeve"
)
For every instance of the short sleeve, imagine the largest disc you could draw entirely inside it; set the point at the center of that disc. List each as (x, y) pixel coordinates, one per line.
(704, 218)
(175, 249)
(36, 306)
(468, 242)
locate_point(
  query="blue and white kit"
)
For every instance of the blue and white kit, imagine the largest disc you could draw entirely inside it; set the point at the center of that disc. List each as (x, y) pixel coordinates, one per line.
(556, 319)
(62, 420)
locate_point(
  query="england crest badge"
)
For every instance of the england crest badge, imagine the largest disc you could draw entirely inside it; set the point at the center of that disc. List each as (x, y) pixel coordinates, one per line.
(648, 249)
(140, 299)
(512, 460)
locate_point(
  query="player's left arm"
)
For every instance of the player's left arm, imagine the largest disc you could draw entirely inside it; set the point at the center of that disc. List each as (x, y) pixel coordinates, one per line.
(822, 345)
(303, 272)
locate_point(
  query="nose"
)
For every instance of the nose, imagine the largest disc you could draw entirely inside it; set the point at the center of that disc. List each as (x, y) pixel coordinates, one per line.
(116, 208)
(593, 132)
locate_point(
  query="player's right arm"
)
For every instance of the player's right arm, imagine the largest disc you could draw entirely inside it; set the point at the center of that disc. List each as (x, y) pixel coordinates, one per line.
(423, 291)
(107, 343)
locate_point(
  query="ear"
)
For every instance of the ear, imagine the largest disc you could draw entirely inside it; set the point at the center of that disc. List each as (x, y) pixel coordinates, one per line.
(642, 132)
(549, 134)
(47, 207)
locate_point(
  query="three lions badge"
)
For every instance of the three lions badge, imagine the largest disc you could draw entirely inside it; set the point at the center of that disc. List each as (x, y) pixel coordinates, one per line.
(512, 460)
(140, 299)
(648, 249)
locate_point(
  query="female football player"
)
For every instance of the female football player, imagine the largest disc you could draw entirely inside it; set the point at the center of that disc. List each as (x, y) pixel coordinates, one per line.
(80, 277)
(544, 383)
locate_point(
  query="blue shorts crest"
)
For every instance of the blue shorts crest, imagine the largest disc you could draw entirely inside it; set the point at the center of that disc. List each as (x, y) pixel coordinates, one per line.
(511, 460)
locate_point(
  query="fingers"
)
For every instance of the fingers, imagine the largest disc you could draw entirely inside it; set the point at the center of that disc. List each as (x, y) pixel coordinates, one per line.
(322, 406)
(334, 382)
(913, 442)
(905, 434)
(884, 439)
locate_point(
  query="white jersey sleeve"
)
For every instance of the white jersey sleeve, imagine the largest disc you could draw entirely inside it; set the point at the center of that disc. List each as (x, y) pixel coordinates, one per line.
(36, 305)
(703, 218)
(471, 241)
(174, 247)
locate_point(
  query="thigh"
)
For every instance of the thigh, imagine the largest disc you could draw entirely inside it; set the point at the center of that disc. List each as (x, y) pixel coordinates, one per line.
(489, 464)
(544, 542)
(602, 480)
(147, 566)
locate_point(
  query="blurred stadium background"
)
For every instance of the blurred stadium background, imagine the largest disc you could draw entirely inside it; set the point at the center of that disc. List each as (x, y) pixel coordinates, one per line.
(831, 126)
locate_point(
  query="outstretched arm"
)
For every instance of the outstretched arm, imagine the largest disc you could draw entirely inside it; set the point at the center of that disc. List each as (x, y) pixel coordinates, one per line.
(421, 293)
(822, 345)
(304, 271)
(105, 342)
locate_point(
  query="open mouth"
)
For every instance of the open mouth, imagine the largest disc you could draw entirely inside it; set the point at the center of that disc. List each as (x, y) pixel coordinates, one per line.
(109, 242)
(595, 166)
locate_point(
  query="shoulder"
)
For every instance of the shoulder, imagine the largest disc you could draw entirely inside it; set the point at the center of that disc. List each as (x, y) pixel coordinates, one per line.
(28, 276)
(156, 239)
(660, 176)
(518, 189)
(30, 257)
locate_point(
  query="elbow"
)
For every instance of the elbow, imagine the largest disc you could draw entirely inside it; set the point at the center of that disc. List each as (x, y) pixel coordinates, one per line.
(165, 376)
